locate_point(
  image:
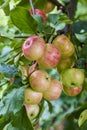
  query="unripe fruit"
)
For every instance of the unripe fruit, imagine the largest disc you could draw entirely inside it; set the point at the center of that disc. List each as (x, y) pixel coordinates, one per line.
(32, 110)
(32, 97)
(40, 80)
(54, 90)
(66, 63)
(33, 47)
(72, 77)
(49, 6)
(72, 91)
(64, 45)
(41, 13)
(82, 118)
(50, 57)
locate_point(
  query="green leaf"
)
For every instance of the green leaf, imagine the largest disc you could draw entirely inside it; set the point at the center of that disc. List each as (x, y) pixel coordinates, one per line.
(4, 3)
(12, 102)
(23, 20)
(8, 70)
(79, 27)
(20, 121)
(39, 4)
(83, 52)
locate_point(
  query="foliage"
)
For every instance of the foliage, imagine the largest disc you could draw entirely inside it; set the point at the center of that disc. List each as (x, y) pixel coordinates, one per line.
(16, 24)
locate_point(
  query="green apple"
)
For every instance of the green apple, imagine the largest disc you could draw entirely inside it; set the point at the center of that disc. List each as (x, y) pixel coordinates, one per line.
(32, 97)
(82, 117)
(32, 110)
(66, 63)
(72, 77)
(49, 6)
(72, 91)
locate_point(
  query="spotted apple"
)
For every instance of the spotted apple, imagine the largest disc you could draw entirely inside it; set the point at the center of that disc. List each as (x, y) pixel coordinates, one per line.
(72, 77)
(32, 110)
(50, 58)
(32, 97)
(39, 80)
(33, 47)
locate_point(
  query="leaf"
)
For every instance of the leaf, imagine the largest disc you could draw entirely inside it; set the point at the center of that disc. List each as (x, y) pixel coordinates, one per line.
(12, 102)
(4, 3)
(39, 4)
(23, 20)
(83, 52)
(79, 27)
(50, 107)
(20, 121)
(8, 70)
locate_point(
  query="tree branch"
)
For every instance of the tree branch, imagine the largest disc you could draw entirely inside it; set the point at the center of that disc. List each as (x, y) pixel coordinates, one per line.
(32, 6)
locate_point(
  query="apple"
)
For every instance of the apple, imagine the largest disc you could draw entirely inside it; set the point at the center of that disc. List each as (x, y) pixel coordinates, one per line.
(72, 77)
(64, 45)
(33, 47)
(39, 80)
(66, 63)
(49, 6)
(72, 91)
(32, 97)
(50, 58)
(54, 90)
(82, 117)
(32, 110)
(39, 12)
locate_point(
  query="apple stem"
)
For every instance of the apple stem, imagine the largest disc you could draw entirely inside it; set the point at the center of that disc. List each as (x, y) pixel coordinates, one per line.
(32, 6)
(52, 36)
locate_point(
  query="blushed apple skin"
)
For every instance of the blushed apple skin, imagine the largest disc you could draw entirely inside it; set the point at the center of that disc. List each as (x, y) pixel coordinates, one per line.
(33, 47)
(54, 91)
(49, 6)
(41, 13)
(72, 77)
(50, 58)
(64, 45)
(39, 80)
(32, 97)
(32, 110)
(72, 91)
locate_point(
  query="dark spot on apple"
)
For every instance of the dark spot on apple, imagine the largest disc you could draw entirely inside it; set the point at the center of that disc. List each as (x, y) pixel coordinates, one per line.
(31, 114)
(47, 78)
(27, 43)
(72, 83)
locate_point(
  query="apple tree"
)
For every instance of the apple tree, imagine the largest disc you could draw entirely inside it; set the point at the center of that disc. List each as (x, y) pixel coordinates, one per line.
(43, 64)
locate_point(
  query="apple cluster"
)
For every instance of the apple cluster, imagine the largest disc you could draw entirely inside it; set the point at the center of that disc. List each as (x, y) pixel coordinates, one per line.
(58, 54)
(41, 85)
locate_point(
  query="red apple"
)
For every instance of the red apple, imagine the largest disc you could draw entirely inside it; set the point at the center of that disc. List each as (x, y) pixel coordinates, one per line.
(64, 45)
(41, 13)
(32, 97)
(72, 91)
(54, 90)
(50, 58)
(39, 80)
(32, 110)
(33, 47)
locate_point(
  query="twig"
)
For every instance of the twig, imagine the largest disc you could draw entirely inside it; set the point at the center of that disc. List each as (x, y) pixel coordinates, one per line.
(32, 6)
